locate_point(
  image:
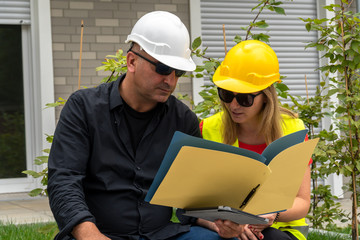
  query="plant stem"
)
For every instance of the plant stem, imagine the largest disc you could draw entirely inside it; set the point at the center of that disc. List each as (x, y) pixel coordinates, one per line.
(252, 23)
(354, 227)
(112, 73)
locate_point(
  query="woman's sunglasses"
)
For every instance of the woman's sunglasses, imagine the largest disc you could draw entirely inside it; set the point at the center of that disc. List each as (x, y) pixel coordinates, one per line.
(161, 68)
(245, 100)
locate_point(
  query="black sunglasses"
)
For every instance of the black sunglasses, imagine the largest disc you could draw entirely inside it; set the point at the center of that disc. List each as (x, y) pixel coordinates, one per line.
(161, 68)
(245, 100)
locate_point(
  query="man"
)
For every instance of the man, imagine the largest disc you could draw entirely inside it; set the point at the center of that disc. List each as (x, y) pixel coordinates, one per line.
(110, 141)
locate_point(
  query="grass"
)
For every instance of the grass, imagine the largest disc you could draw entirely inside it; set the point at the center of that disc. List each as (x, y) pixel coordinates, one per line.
(326, 236)
(346, 230)
(38, 231)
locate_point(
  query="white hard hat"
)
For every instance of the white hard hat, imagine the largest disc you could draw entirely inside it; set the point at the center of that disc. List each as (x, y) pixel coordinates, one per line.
(164, 37)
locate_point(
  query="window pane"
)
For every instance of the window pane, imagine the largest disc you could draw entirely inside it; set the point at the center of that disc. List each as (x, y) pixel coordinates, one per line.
(12, 125)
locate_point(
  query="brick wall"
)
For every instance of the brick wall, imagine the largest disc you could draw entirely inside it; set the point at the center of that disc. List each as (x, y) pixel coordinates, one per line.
(106, 26)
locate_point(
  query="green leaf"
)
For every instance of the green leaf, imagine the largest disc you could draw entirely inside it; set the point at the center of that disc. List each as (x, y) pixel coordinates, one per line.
(329, 8)
(341, 109)
(261, 37)
(320, 47)
(355, 45)
(52, 104)
(271, 8)
(349, 168)
(46, 150)
(196, 43)
(352, 65)
(41, 160)
(237, 39)
(199, 75)
(32, 173)
(261, 24)
(279, 10)
(257, 6)
(281, 87)
(332, 92)
(277, 3)
(35, 192)
(358, 165)
(49, 138)
(103, 67)
(210, 66)
(357, 59)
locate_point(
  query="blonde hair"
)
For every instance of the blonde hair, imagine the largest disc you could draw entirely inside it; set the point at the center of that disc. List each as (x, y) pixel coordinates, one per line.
(269, 119)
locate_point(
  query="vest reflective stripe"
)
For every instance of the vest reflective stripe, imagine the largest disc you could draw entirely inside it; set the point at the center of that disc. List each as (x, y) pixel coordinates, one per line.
(211, 130)
(298, 228)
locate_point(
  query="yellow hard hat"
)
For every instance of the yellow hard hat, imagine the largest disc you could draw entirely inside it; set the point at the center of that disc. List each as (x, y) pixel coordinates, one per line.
(250, 66)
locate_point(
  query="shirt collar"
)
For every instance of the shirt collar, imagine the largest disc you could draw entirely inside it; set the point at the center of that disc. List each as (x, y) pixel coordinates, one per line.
(115, 98)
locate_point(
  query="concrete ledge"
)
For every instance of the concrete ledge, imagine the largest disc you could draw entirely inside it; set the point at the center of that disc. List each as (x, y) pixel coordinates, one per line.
(20, 208)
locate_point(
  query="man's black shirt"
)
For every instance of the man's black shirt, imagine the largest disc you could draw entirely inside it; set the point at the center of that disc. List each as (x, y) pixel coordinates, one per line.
(96, 175)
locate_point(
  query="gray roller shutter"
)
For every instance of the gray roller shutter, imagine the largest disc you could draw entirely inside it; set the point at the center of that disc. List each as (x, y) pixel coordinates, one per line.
(14, 11)
(288, 36)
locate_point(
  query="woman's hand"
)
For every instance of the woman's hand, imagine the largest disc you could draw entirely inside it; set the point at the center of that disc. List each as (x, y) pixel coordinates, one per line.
(260, 227)
(253, 232)
(250, 234)
(229, 229)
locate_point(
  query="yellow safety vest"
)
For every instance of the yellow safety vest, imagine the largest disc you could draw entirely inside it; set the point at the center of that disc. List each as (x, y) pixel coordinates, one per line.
(211, 131)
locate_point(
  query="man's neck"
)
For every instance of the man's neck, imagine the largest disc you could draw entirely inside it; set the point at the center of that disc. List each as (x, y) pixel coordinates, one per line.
(133, 99)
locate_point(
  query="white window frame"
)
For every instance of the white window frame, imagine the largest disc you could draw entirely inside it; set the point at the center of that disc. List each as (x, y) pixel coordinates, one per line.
(38, 90)
(195, 32)
(334, 180)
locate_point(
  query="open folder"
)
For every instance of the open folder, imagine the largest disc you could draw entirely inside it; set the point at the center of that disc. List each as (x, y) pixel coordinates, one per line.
(212, 180)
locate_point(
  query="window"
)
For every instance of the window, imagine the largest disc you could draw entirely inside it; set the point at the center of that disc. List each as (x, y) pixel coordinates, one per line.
(12, 124)
(26, 85)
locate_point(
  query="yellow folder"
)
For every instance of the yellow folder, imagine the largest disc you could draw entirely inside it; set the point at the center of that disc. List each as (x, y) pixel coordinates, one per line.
(205, 175)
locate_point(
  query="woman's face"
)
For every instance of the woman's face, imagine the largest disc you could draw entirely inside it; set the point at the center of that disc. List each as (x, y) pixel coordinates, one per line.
(246, 115)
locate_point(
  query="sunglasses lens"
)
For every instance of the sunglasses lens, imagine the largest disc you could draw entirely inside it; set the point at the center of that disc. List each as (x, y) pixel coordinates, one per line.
(163, 69)
(245, 100)
(225, 96)
(179, 73)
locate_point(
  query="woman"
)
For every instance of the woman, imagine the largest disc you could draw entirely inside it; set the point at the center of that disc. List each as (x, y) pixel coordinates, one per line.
(251, 119)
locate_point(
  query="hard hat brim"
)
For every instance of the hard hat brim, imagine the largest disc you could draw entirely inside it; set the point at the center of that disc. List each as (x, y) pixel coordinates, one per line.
(236, 85)
(175, 62)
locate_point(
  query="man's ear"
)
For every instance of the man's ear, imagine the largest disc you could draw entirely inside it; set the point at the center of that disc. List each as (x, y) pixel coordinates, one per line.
(131, 62)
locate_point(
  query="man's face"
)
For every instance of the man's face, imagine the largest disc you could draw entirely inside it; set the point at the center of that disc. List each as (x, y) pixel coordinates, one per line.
(151, 85)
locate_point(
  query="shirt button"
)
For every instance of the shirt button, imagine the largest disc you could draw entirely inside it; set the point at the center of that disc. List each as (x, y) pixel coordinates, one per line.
(138, 168)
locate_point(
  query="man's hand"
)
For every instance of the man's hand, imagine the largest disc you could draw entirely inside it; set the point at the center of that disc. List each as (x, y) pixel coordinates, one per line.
(229, 229)
(88, 231)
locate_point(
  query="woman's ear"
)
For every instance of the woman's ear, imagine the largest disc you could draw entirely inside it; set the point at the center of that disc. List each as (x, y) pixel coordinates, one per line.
(265, 99)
